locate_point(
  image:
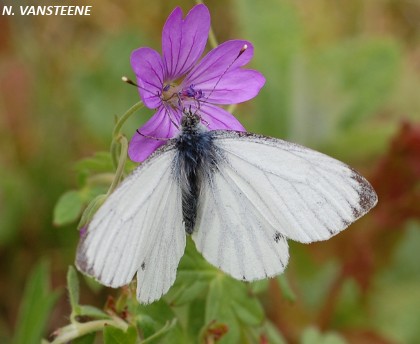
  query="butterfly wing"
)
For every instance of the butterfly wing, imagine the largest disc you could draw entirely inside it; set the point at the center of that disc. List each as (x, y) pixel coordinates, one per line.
(139, 229)
(264, 190)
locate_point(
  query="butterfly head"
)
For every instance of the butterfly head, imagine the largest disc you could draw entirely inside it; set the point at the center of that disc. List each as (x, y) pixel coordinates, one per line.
(190, 119)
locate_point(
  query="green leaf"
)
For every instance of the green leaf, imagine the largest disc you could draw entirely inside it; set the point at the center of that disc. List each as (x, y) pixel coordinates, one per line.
(259, 287)
(156, 321)
(196, 314)
(184, 292)
(68, 208)
(193, 277)
(249, 311)
(92, 283)
(73, 288)
(246, 306)
(161, 333)
(113, 335)
(230, 302)
(147, 325)
(37, 303)
(227, 301)
(87, 339)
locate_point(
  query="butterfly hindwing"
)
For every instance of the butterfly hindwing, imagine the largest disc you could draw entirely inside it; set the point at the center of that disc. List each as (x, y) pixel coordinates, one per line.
(139, 229)
(264, 190)
(231, 235)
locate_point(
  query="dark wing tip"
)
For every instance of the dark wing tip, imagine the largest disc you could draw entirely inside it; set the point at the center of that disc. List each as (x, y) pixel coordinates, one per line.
(367, 195)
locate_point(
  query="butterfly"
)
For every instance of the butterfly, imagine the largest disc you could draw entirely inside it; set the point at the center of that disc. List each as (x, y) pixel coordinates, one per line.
(239, 195)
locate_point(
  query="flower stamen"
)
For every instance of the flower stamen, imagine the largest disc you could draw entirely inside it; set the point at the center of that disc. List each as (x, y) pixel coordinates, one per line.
(175, 97)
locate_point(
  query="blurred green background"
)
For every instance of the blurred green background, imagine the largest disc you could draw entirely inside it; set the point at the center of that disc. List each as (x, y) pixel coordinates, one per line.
(342, 77)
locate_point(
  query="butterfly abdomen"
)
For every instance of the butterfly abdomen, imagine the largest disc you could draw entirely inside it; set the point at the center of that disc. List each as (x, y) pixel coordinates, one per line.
(196, 156)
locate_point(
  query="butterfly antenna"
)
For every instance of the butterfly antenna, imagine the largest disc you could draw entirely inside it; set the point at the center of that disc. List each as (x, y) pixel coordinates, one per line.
(243, 49)
(151, 137)
(169, 114)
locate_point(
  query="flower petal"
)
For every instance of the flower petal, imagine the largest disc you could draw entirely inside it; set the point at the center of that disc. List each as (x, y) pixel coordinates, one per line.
(158, 126)
(220, 60)
(234, 87)
(217, 118)
(149, 70)
(183, 41)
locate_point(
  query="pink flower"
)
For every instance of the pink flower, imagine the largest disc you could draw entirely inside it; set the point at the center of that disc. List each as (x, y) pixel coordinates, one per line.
(176, 80)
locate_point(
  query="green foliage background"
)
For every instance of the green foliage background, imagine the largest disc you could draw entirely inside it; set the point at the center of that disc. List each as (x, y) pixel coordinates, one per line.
(342, 77)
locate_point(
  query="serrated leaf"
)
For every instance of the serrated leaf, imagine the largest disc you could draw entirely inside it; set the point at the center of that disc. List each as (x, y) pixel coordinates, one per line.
(221, 306)
(160, 311)
(185, 293)
(228, 295)
(215, 299)
(249, 311)
(196, 314)
(193, 276)
(147, 325)
(113, 335)
(68, 208)
(162, 333)
(245, 305)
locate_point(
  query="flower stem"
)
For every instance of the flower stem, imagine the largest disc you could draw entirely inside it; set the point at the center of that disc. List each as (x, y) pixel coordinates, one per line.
(121, 162)
(115, 152)
(212, 36)
(76, 330)
(126, 116)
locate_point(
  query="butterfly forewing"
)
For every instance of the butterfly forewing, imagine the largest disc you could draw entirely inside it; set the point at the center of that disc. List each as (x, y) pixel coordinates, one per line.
(264, 190)
(139, 229)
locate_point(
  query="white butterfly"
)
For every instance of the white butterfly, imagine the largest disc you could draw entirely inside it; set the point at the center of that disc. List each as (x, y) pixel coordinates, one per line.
(240, 195)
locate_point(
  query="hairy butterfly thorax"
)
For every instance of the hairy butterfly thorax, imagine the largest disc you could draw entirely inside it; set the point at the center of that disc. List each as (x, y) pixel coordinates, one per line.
(195, 159)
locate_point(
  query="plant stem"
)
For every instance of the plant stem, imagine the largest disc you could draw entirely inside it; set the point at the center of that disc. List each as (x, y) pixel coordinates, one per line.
(116, 132)
(121, 163)
(76, 330)
(124, 118)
